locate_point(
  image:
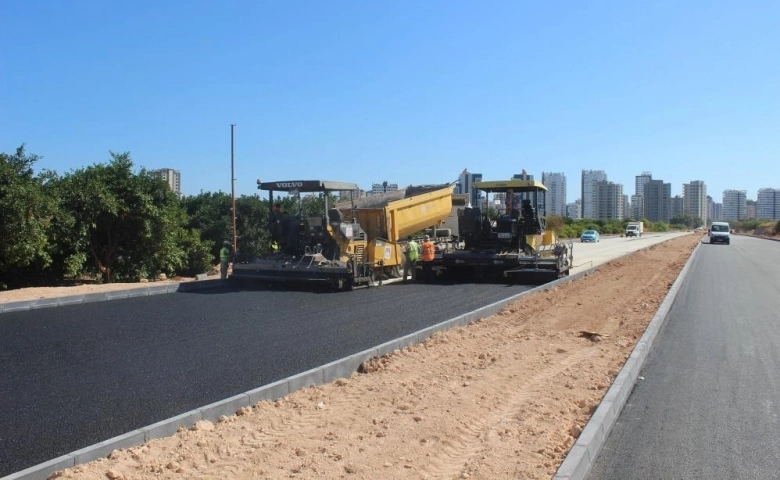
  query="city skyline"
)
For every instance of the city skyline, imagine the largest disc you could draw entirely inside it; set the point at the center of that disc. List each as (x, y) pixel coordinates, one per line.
(655, 210)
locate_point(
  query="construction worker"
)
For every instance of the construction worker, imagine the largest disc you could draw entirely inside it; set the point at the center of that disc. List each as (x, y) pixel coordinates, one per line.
(428, 255)
(410, 259)
(512, 204)
(224, 259)
(277, 225)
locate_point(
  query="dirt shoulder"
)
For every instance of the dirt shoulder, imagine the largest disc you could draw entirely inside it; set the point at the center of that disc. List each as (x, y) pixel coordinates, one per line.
(504, 397)
(37, 293)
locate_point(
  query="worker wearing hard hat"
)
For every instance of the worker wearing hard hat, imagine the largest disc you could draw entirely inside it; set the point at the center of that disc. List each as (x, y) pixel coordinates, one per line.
(411, 255)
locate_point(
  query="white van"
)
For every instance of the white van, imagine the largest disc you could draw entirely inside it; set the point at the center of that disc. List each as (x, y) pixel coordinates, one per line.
(720, 232)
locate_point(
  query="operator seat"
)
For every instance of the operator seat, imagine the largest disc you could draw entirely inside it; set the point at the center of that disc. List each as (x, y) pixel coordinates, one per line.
(530, 219)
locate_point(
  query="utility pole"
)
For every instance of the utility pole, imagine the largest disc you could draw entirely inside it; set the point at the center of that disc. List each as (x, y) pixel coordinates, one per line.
(233, 186)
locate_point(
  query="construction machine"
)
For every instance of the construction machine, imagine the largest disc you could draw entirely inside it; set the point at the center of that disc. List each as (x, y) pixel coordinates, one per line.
(514, 245)
(349, 244)
(323, 248)
(389, 218)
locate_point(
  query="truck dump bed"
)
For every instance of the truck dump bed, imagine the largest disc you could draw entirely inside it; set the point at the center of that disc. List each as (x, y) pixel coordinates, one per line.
(395, 215)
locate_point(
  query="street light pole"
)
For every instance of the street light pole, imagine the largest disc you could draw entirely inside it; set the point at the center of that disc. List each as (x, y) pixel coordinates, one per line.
(233, 186)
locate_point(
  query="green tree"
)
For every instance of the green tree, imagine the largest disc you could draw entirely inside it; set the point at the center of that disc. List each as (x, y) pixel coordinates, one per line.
(27, 208)
(210, 214)
(687, 220)
(125, 226)
(252, 226)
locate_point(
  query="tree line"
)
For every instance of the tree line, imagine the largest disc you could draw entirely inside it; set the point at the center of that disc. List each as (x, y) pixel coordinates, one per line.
(111, 223)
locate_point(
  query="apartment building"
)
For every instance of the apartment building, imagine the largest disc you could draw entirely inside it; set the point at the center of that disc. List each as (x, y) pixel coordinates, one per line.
(658, 201)
(609, 200)
(170, 176)
(589, 199)
(466, 185)
(768, 204)
(734, 205)
(695, 200)
(555, 203)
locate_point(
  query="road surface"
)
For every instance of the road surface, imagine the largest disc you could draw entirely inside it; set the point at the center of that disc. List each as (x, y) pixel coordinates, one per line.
(707, 404)
(80, 374)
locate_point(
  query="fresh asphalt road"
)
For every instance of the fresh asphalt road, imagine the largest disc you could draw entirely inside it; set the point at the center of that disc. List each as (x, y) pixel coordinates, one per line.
(76, 375)
(708, 403)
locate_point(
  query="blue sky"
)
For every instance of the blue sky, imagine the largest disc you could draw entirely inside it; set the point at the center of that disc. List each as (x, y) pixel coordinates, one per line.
(408, 92)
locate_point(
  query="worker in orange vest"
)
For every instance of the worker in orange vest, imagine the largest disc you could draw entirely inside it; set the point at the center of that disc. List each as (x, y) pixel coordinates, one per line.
(428, 255)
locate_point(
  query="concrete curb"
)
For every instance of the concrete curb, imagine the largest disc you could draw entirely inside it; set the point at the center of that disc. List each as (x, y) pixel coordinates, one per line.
(341, 368)
(586, 449)
(759, 236)
(152, 289)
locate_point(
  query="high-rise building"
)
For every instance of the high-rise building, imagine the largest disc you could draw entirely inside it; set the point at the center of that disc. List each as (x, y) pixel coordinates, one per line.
(677, 205)
(640, 181)
(637, 211)
(658, 201)
(695, 200)
(751, 209)
(609, 201)
(556, 193)
(522, 176)
(734, 205)
(626, 207)
(715, 212)
(172, 178)
(466, 185)
(768, 204)
(573, 210)
(589, 200)
(384, 187)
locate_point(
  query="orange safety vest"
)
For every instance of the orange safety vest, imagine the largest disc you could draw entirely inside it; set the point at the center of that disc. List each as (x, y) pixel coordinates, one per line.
(428, 251)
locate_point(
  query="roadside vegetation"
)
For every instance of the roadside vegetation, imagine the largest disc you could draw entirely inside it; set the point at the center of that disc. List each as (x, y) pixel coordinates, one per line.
(565, 227)
(111, 222)
(757, 227)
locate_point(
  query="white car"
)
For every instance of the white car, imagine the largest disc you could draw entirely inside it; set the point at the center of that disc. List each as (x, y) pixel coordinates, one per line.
(720, 232)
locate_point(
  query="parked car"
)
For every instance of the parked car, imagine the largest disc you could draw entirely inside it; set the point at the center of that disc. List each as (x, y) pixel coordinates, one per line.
(589, 236)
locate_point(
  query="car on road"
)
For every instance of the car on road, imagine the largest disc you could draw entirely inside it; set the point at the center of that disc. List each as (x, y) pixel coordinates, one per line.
(589, 236)
(720, 233)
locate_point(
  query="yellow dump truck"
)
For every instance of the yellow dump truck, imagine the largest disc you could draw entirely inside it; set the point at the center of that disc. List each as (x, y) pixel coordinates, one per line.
(350, 245)
(389, 218)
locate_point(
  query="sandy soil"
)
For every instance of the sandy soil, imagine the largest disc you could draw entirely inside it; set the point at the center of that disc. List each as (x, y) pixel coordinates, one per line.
(36, 293)
(505, 397)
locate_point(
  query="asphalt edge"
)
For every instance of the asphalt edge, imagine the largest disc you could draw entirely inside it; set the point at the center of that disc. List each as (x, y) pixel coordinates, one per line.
(342, 368)
(585, 451)
(153, 289)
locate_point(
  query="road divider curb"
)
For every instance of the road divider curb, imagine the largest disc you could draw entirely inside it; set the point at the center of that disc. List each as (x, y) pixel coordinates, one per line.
(586, 449)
